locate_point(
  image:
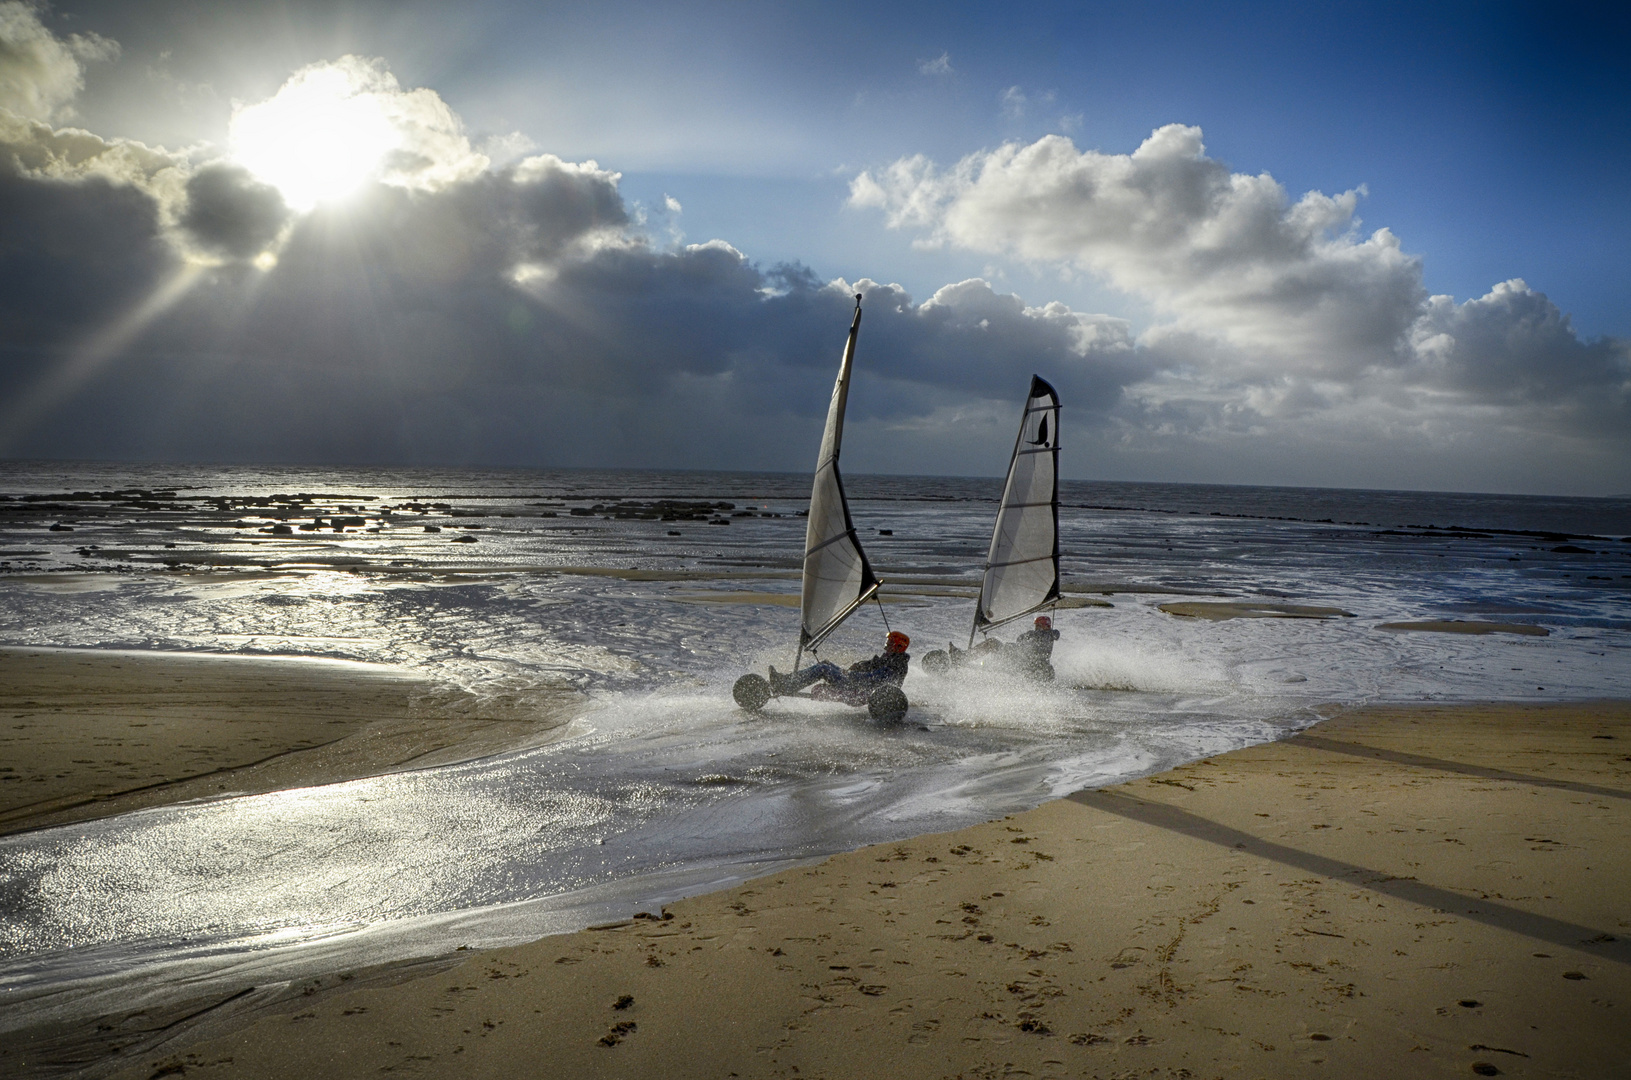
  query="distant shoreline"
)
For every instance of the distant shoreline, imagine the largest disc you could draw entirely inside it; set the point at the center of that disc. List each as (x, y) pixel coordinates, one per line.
(798, 473)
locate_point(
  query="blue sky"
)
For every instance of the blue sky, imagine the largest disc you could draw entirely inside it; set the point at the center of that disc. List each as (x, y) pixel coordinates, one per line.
(1491, 140)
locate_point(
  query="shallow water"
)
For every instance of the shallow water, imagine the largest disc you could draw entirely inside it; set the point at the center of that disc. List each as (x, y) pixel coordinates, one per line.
(657, 785)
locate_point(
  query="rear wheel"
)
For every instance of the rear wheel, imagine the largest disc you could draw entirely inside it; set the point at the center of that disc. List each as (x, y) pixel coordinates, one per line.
(751, 692)
(937, 662)
(887, 704)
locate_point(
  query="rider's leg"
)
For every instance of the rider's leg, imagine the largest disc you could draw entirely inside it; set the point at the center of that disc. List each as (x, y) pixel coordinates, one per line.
(822, 671)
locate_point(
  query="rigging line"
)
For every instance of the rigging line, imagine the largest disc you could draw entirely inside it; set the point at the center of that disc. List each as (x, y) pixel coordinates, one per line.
(990, 626)
(848, 534)
(879, 601)
(1020, 562)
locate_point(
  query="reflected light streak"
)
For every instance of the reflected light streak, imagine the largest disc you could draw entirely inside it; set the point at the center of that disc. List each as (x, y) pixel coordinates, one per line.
(21, 415)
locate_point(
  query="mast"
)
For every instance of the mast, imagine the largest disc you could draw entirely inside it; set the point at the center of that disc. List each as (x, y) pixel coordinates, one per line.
(1022, 565)
(838, 579)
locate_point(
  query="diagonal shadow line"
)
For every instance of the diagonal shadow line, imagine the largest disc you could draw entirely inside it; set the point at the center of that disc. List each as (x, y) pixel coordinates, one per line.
(1567, 935)
(1399, 757)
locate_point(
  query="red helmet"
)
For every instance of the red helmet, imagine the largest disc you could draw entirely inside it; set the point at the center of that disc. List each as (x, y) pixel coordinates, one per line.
(896, 641)
(1044, 623)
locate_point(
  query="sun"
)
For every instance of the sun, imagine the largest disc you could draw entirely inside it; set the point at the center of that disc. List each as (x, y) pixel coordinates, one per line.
(323, 135)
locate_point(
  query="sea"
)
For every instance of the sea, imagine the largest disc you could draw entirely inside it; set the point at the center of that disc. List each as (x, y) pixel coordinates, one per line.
(617, 608)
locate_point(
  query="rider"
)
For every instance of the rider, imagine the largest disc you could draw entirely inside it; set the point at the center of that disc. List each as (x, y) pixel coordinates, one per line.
(888, 667)
(1035, 646)
(1032, 649)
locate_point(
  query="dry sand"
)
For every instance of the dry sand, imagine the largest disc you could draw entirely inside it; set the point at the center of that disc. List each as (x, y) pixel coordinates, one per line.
(1418, 891)
(88, 733)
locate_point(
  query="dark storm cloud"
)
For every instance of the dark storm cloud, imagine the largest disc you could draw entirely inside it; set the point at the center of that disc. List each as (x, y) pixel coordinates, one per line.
(1513, 348)
(520, 316)
(231, 214)
(515, 317)
(71, 254)
(167, 305)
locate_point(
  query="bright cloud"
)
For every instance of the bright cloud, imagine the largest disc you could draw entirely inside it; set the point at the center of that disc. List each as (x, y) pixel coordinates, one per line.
(1219, 253)
(1268, 307)
(336, 125)
(40, 74)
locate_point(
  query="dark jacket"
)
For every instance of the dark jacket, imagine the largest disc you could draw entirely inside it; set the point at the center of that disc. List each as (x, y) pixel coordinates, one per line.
(1038, 643)
(884, 668)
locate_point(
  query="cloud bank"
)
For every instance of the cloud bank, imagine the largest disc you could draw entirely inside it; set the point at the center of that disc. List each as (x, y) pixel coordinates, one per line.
(417, 303)
(397, 295)
(1277, 319)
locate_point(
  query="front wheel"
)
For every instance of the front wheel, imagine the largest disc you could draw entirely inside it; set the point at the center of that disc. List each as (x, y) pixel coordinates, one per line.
(887, 704)
(751, 692)
(937, 662)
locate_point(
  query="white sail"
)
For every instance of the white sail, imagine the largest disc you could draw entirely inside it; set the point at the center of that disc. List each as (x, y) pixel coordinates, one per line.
(837, 577)
(1022, 567)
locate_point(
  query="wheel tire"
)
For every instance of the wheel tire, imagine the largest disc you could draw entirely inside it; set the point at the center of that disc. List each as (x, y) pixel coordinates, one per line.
(751, 692)
(937, 662)
(887, 704)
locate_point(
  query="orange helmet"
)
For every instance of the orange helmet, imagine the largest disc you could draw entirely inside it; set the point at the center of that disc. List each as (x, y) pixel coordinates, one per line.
(1044, 623)
(896, 641)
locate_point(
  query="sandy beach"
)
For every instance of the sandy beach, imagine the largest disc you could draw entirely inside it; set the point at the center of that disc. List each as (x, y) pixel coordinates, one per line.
(89, 733)
(1440, 890)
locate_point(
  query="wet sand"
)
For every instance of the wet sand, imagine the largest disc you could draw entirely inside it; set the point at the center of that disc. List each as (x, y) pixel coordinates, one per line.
(1431, 891)
(87, 733)
(1218, 611)
(1468, 626)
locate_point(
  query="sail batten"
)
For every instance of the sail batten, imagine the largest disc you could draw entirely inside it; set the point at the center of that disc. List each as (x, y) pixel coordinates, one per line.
(1022, 566)
(1022, 562)
(837, 576)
